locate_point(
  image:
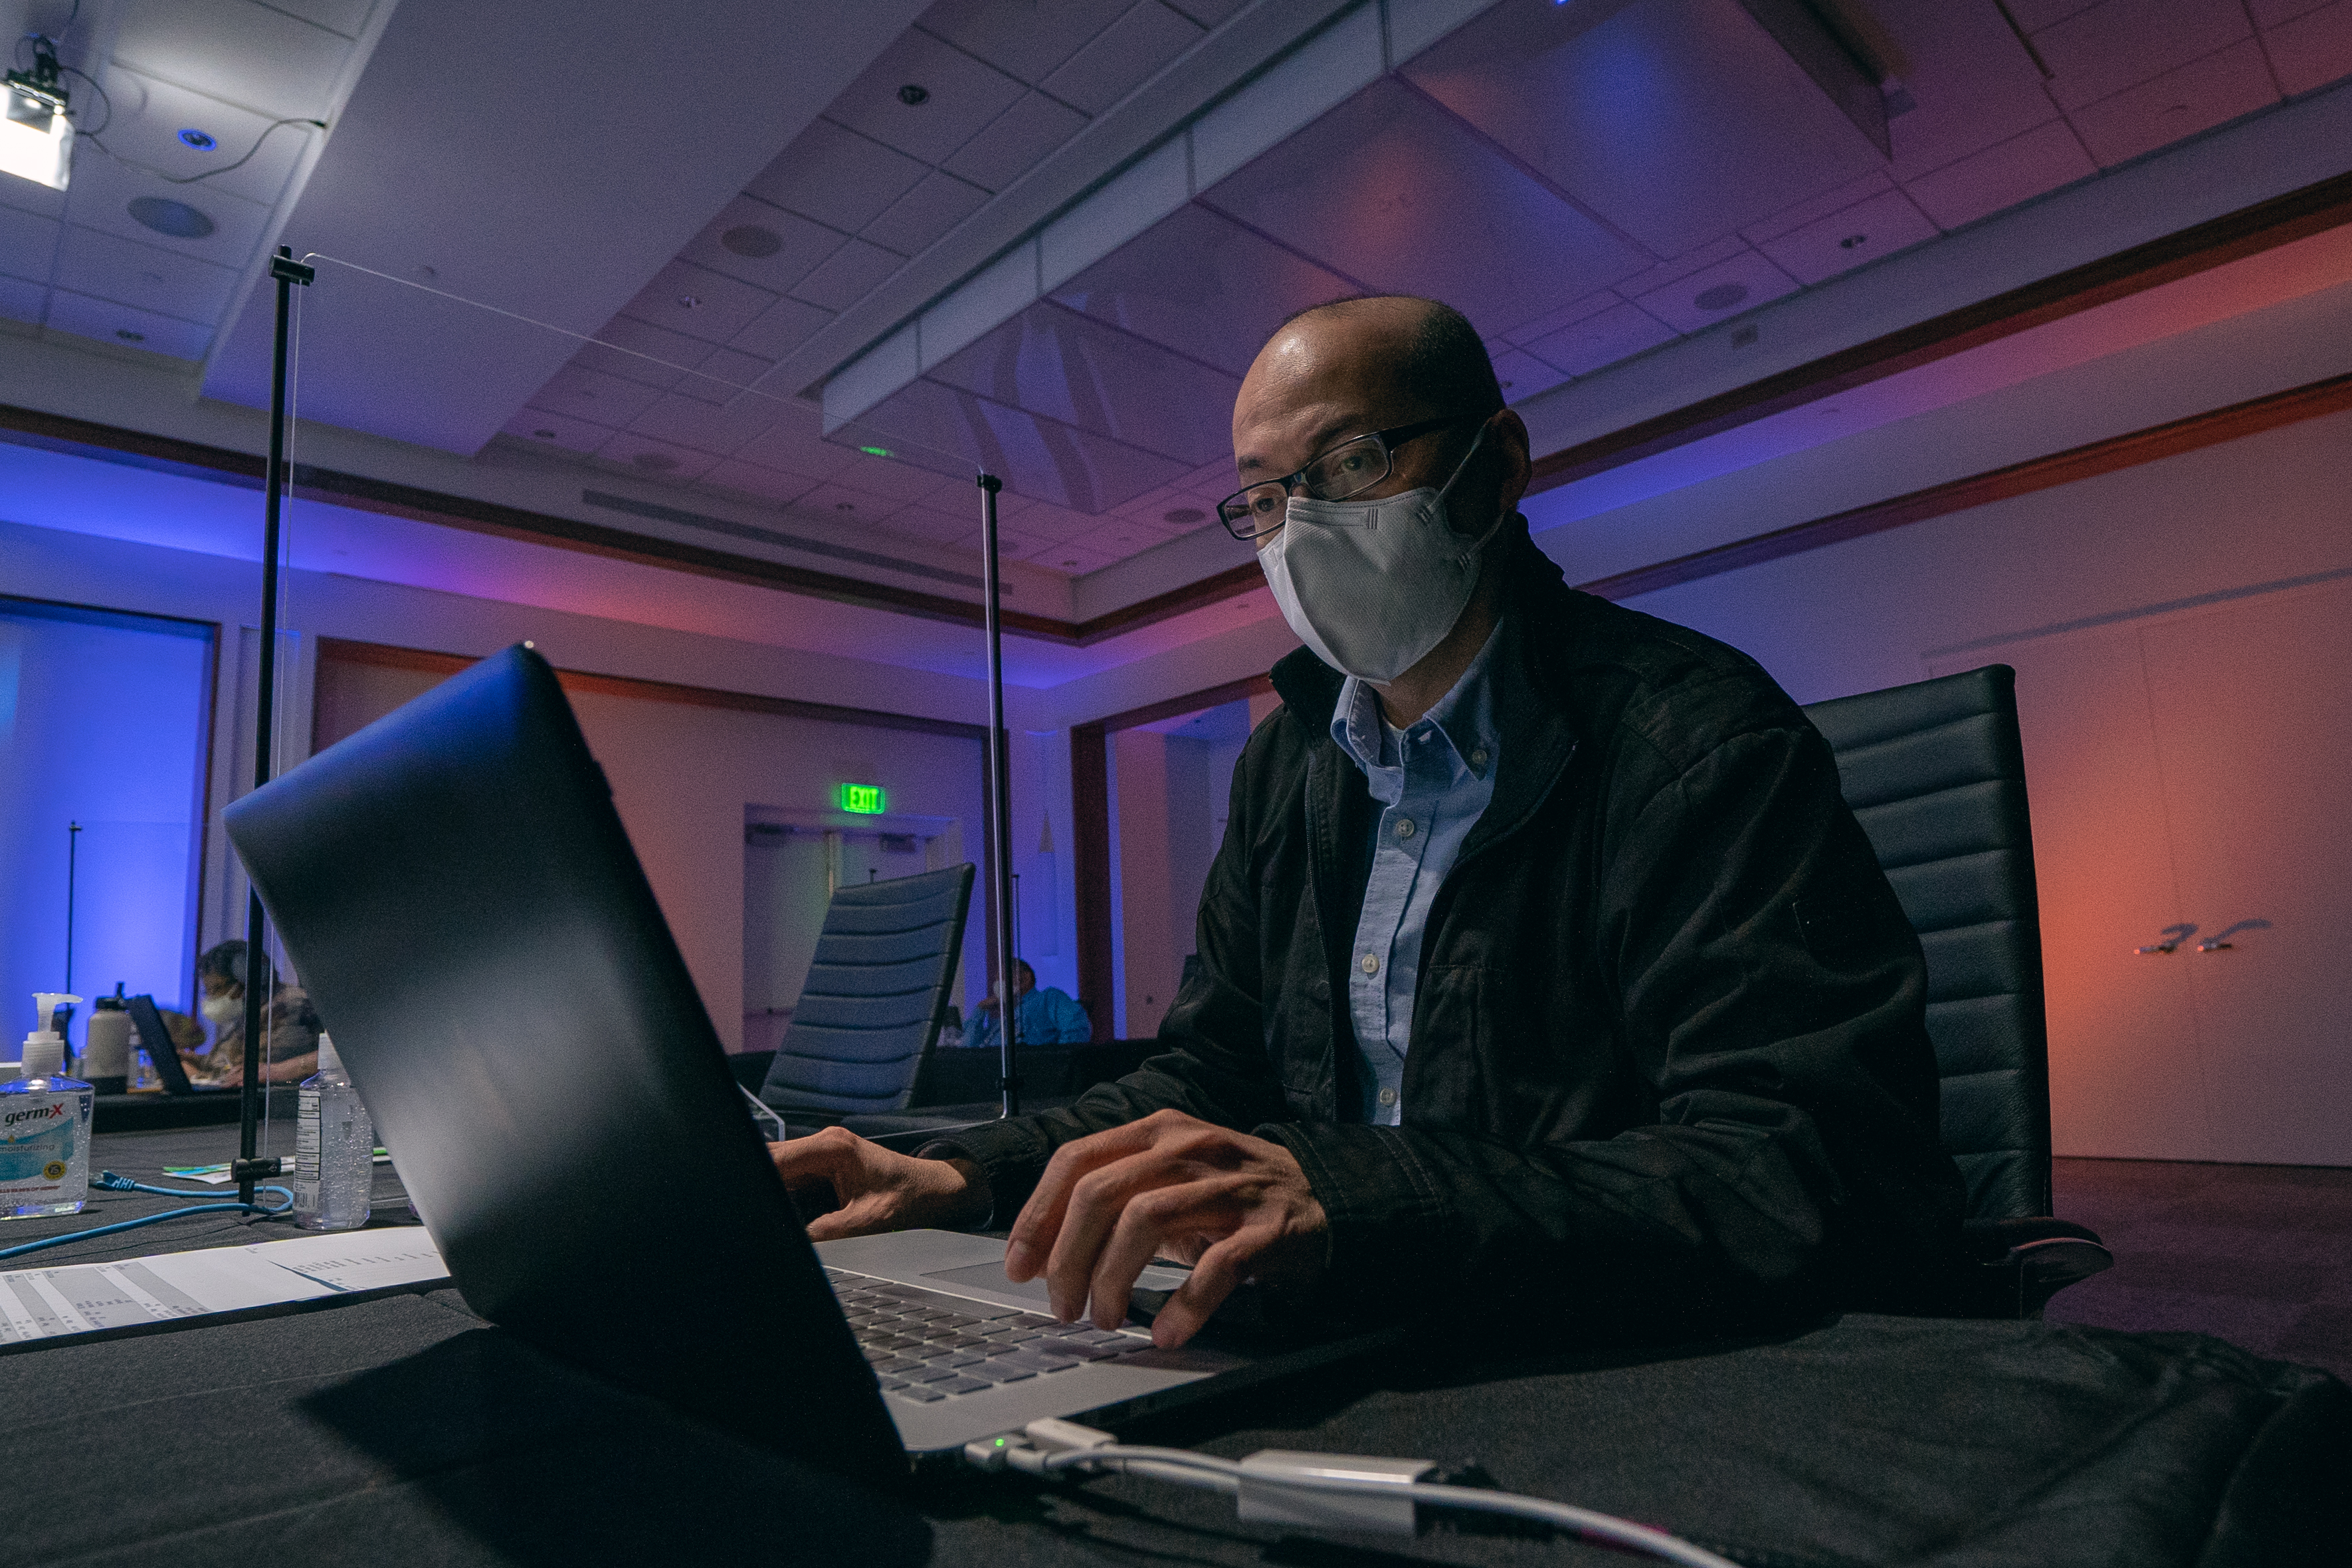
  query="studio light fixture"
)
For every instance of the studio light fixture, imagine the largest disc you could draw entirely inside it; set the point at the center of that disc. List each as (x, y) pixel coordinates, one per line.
(37, 137)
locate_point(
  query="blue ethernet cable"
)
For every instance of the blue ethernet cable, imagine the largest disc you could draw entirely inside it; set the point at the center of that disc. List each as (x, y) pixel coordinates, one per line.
(108, 1182)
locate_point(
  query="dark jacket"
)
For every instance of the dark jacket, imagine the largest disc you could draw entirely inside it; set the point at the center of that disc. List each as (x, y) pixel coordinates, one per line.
(1669, 1067)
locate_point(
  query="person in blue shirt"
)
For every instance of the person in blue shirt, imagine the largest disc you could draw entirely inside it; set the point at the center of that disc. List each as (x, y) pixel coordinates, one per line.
(1048, 1018)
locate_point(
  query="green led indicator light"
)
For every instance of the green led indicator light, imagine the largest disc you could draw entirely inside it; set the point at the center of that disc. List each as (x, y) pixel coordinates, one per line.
(865, 800)
(875, 451)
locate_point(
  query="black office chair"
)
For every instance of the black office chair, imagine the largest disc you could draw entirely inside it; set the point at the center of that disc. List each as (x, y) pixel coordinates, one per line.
(1936, 773)
(875, 999)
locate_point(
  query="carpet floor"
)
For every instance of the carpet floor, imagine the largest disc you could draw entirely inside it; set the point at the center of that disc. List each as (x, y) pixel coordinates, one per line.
(2257, 1255)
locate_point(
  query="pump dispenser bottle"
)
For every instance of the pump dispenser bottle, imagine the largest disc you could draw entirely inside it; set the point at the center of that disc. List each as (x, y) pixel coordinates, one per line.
(334, 1149)
(106, 1044)
(44, 1126)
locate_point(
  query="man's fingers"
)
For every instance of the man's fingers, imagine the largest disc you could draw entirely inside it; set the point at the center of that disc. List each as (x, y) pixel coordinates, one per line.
(1098, 1204)
(1031, 1239)
(1147, 1226)
(1222, 1268)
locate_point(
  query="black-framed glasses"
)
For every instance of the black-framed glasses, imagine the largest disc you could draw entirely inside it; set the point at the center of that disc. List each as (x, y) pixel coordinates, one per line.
(1351, 468)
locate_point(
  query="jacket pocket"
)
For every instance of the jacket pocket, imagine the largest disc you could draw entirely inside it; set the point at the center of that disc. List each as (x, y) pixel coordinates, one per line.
(1446, 1064)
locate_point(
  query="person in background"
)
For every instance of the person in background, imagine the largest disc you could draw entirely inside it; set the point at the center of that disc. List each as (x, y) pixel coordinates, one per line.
(290, 1030)
(1048, 1018)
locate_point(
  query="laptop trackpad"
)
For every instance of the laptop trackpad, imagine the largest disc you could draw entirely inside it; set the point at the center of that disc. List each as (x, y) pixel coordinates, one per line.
(990, 1277)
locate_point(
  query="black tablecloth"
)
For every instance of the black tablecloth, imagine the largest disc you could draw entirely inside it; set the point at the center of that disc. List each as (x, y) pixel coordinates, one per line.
(404, 1430)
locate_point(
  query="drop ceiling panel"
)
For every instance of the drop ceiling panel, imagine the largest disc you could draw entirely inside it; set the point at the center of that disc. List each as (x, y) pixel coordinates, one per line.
(154, 280)
(1026, 38)
(2179, 103)
(653, 458)
(1523, 376)
(28, 244)
(2045, 158)
(1010, 146)
(1390, 189)
(721, 429)
(722, 378)
(1072, 368)
(698, 303)
(1040, 458)
(797, 444)
(22, 299)
(1200, 282)
(234, 50)
(593, 395)
(1731, 130)
(343, 16)
(2314, 48)
(110, 322)
(540, 431)
(2101, 51)
(149, 115)
(2271, 13)
(1618, 332)
(1106, 71)
(1971, 80)
(643, 351)
(924, 213)
(964, 95)
(837, 176)
(781, 327)
(845, 277)
(1717, 293)
(1845, 240)
(751, 480)
(762, 245)
(103, 190)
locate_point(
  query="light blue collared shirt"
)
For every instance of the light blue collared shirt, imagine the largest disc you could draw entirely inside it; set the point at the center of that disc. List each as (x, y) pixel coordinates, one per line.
(1434, 780)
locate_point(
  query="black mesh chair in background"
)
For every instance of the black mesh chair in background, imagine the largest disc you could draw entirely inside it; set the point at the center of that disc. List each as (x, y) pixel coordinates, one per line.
(1935, 772)
(874, 1002)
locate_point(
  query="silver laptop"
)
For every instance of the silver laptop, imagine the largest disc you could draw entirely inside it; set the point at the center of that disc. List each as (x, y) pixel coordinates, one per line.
(461, 899)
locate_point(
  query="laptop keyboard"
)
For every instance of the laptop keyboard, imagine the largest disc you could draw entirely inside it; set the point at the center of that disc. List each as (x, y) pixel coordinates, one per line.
(926, 1345)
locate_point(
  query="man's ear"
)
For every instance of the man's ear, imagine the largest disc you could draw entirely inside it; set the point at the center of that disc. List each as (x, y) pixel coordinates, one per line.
(1510, 440)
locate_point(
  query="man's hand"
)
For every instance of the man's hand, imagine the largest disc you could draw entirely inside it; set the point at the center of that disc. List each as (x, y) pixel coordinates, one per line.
(1233, 1206)
(879, 1189)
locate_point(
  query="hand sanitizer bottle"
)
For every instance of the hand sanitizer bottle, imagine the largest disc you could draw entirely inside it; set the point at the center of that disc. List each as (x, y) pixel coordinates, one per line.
(44, 1127)
(334, 1149)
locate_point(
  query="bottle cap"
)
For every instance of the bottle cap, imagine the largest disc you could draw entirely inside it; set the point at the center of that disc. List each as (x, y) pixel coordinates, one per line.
(328, 1060)
(45, 1053)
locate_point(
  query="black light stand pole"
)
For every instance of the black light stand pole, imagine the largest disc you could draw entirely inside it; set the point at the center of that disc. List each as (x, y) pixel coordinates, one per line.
(258, 973)
(1000, 805)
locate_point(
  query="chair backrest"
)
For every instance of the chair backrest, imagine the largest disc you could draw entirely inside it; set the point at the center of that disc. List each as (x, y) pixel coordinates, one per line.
(876, 996)
(1935, 775)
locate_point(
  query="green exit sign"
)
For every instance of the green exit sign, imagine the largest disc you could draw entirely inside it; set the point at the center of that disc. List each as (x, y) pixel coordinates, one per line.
(865, 800)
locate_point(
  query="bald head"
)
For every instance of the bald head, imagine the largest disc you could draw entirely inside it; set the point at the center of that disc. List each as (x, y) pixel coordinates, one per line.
(1412, 358)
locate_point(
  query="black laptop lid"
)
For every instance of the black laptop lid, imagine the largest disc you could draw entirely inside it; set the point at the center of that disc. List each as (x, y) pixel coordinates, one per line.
(457, 894)
(156, 1041)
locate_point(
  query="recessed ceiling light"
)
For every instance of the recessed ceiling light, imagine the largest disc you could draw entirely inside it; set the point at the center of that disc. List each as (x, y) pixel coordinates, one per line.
(659, 462)
(690, 302)
(544, 435)
(1069, 563)
(165, 215)
(844, 506)
(1722, 297)
(914, 93)
(750, 240)
(201, 140)
(128, 336)
(1854, 242)
(1184, 515)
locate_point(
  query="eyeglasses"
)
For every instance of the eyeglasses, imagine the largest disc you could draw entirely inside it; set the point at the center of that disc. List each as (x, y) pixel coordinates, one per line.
(1351, 468)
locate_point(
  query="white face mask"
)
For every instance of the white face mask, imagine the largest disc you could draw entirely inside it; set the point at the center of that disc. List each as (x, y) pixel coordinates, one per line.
(222, 1013)
(1371, 586)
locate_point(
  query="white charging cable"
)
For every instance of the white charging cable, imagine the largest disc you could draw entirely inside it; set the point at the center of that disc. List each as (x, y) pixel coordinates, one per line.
(1322, 1491)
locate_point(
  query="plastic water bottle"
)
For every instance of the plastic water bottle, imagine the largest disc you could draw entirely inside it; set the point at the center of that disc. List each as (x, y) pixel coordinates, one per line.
(334, 1149)
(44, 1127)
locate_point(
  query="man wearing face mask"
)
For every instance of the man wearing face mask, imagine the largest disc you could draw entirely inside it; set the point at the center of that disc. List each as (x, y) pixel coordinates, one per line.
(290, 1028)
(1544, 971)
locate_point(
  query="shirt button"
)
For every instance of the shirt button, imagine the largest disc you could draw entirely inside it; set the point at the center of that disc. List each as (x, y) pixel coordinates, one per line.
(1478, 758)
(1388, 1097)
(1405, 827)
(1371, 963)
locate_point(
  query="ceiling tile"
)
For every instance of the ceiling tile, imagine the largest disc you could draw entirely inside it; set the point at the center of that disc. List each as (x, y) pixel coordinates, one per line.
(847, 276)
(1523, 376)
(698, 302)
(1845, 240)
(835, 175)
(933, 526)
(761, 244)
(1015, 140)
(344, 16)
(2179, 103)
(110, 323)
(723, 429)
(1676, 120)
(1199, 282)
(905, 482)
(1720, 292)
(781, 327)
(23, 300)
(1119, 540)
(28, 245)
(2121, 43)
(1037, 456)
(163, 281)
(724, 377)
(795, 445)
(1452, 218)
(1071, 558)
(649, 458)
(2018, 169)
(234, 50)
(1026, 38)
(544, 431)
(103, 190)
(847, 507)
(594, 396)
(1602, 338)
(149, 115)
(924, 213)
(2314, 48)
(1071, 368)
(643, 351)
(964, 95)
(1051, 523)
(2032, 15)
(1838, 199)
(2271, 13)
(1208, 13)
(1129, 50)
(751, 480)
(24, 196)
(1971, 80)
